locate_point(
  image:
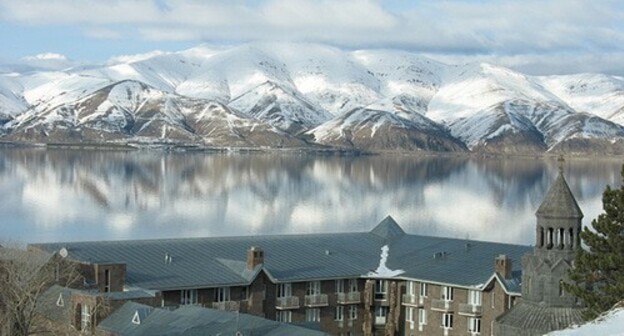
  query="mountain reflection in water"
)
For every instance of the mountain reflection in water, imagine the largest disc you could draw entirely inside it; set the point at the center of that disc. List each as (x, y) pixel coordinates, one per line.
(56, 195)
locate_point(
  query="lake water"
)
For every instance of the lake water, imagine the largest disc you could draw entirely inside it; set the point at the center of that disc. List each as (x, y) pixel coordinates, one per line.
(57, 195)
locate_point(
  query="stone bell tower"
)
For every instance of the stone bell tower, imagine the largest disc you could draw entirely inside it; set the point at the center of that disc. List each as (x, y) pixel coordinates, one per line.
(557, 237)
(545, 305)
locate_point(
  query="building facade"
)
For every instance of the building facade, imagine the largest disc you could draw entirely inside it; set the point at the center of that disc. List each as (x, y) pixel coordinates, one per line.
(382, 282)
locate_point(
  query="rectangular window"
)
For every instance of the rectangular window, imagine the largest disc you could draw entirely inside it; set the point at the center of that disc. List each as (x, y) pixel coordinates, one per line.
(107, 280)
(493, 298)
(313, 315)
(340, 286)
(447, 293)
(57, 272)
(284, 290)
(474, 325)
(85, 317)
(411, 288)
(284, 316)
(447, 321)
(474, 297)
(381, 288)
(339, 313)
(188, 296)
(353, 286)
(314, 288)
(409, 314)
(423, 289)
(245, 293)
(222, 294)
(353, 312)
(422, 316)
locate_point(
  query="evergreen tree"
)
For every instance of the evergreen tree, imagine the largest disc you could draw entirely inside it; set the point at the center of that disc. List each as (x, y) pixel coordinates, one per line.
(598, 272)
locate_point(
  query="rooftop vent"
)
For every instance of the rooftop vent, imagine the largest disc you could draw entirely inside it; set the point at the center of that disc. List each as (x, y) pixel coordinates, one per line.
(168, 258)
(439, 255)
(59, 301)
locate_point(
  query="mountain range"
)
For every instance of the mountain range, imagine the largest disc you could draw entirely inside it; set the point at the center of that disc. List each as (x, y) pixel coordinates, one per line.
(296, 95)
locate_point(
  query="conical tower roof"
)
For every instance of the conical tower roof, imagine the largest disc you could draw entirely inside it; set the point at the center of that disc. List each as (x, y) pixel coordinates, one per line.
(559, 201)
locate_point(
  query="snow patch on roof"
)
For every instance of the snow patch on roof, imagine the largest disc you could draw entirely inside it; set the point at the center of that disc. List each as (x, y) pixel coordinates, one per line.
(609, 324)
(382, 270)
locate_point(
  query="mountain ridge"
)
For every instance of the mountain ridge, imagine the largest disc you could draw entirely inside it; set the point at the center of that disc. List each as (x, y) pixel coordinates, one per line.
(302, 95)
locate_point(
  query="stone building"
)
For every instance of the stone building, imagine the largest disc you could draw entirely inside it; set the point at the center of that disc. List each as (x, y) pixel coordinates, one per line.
(545, 305)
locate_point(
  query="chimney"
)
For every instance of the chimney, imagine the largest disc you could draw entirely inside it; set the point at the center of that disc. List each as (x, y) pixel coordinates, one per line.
(255, 257)
(503, 266)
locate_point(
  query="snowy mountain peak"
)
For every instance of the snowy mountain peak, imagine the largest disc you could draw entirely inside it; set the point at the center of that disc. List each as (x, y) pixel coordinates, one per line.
(296, 91)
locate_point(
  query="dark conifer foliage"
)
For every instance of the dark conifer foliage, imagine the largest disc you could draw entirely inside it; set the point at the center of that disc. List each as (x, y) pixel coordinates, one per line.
(598, 272)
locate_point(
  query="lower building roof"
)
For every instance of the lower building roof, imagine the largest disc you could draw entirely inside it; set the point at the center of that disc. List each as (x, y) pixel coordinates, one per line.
(133, 319)
(536, 319)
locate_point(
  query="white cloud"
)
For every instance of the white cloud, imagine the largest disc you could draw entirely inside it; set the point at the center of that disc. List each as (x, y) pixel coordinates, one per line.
(102, 33)
(518, 31)
(46, 56)
(134, 58)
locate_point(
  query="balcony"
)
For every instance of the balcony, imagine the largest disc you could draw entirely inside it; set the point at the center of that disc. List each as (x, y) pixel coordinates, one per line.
(288, 302)
(319, 300)
(469, 309)
(226, 305)
(412, 300)
(349, 298)
(442, 305)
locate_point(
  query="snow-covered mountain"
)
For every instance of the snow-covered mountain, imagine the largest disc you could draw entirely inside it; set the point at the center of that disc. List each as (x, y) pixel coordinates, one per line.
(296, 94)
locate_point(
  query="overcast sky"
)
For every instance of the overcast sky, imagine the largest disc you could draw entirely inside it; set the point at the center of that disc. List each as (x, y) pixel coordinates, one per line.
(535, 36)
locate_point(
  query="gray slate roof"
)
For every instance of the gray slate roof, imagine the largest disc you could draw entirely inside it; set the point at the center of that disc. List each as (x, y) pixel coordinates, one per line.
(559, 201)
(47, 303)
(533, 319)
(213, 262)
(194, 320)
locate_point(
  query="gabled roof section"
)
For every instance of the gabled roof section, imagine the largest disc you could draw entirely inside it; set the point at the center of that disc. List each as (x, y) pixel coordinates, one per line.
(559, 201)
(388, 229)
(133, 319)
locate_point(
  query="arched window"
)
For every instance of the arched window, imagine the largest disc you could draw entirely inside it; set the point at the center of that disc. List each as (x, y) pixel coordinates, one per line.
(550, 238)
(541, 237)
(561, 242)
(571, 239)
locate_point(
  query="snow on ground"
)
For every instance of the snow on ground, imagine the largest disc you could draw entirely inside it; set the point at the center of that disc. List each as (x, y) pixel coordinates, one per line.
(609, 324)
(382, 270)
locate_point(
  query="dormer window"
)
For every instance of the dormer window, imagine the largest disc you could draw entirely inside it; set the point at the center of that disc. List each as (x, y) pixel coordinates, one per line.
(136, 319)
(60, 302)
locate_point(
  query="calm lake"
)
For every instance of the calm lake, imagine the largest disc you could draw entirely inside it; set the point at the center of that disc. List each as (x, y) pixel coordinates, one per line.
(58, 195)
